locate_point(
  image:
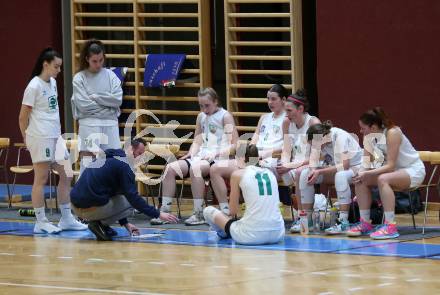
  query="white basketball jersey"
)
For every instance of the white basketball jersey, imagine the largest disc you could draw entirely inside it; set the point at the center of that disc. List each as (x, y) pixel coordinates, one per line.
(298, 138)
(260, 192)
(342, 142)
(407, 153)
(213, 133)
(271, 131)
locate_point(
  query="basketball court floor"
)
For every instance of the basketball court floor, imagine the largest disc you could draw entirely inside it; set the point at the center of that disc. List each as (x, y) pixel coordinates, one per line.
(180, 260)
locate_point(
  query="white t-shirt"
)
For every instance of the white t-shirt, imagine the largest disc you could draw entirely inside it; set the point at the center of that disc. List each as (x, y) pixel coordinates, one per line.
(260, 192)
(342, 143)
(42, 96)
(271, 131)
(298, 139)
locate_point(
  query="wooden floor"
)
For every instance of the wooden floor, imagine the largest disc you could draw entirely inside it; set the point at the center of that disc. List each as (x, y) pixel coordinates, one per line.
(59, 266)
(45, 265)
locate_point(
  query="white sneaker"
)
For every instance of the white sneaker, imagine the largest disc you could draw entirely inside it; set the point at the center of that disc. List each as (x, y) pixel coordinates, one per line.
(195, 219)
(296, 227)
(43, 227)
(158, 221)
(341, 227)
(70, 223)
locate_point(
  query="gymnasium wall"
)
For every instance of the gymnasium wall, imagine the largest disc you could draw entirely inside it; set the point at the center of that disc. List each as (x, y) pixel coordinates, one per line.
(26, 28)
(381, 53)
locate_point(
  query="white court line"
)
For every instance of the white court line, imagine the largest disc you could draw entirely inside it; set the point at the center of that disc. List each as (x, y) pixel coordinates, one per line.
(7, 254)
(389, 278)
(36, 255)
(414, 280)
(352, 275)
(124, 261)
(78, 289)
(384, 284)
(187, 264)
(64, 257)
(220, 266)
(356, 289)
(326, 293)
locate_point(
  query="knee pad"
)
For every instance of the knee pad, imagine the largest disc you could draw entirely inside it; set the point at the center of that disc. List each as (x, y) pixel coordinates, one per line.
(209, 213)
(342, 180)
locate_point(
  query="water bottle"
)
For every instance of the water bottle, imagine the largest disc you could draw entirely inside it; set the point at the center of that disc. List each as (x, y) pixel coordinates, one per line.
(316, 222)
(304, 221)
(26, 212)
(322, 216)
(333, 216)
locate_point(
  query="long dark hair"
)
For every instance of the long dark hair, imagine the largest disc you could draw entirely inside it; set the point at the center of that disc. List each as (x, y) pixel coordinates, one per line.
(299, 98)
(91, 47)
(376, 116)
(280, 90)
(47, 55)
(322, 128)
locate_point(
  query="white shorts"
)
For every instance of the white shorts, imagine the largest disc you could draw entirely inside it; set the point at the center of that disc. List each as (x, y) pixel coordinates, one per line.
(241, 234)
(416, 173)
(46, 149)
(96, 138)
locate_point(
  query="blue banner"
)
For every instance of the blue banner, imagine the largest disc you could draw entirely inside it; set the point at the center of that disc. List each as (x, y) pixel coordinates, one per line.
(161, 70)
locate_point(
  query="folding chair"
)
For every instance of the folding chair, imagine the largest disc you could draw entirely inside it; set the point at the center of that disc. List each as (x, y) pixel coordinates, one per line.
(4, 151)
(24, 169)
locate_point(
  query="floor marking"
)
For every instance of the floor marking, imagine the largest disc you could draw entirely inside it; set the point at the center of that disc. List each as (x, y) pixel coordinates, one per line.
(125, 261)
(64, 257)
(252, 268)
(7, 254)
(414, 280)
(36, 255)
(384, 284)
(187, 264)
(319, 273)
(78, 289)
(356, 289)
(220, 266)
(286, 270)
(389, 278)
(326, 293)
(352, 275)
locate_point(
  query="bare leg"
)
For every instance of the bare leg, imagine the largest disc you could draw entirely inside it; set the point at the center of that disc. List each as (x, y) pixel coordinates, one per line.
(41, 171)
(218, 173)
(175, 169)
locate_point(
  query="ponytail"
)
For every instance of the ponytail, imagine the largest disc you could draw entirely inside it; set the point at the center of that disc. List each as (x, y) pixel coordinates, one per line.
(47, 55)
(377, 116)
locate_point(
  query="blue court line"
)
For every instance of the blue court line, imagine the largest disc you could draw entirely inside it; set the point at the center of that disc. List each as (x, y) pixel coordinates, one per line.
(210, 239)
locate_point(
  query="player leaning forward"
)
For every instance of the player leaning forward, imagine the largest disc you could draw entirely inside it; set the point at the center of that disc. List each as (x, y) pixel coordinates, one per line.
(262, 222)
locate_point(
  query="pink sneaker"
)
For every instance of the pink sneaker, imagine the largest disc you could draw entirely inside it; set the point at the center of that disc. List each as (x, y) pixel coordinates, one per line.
(359, 229)
(386, 231)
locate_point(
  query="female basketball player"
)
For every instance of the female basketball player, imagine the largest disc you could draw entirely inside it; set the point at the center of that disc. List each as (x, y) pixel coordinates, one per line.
(295, 149)
(262, 222)
(268, 138)
(97, 96)
(342, 159)
(40, 127)
(215, 137)
(396, 166)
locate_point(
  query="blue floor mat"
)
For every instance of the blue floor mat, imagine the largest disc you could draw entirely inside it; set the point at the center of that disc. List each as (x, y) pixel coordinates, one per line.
(210, 239)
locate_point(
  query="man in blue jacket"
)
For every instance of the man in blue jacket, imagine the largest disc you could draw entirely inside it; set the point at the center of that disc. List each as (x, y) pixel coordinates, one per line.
(106, 192)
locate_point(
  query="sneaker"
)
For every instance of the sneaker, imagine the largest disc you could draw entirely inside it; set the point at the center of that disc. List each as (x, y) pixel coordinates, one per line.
(361, 228)
(296, 226)
(96, 227)
(195, 219)
(108, 230)
(340, 227)
(386, 231)
(45, 227)
(158, 221)
(70, 223)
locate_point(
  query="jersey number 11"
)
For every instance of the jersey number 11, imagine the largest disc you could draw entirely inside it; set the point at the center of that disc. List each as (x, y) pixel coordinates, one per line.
(260, 178)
